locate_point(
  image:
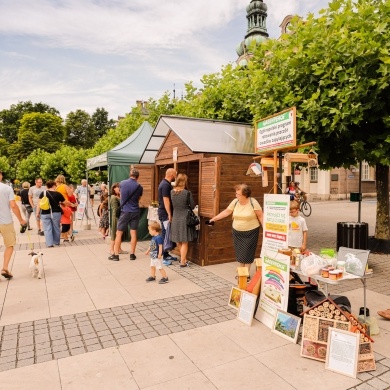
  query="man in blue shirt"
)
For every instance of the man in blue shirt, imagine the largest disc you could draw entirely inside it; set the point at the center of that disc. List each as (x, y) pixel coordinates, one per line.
(131, 192)
(165, 209)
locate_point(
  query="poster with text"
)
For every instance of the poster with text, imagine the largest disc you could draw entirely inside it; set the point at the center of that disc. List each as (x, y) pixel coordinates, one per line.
(275, 224)
(81, 206)
(274, 288)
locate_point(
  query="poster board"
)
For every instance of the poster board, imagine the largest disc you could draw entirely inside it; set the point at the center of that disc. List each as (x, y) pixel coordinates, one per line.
(275, 226)
(286, 325)
(342, 352)
(235, 298)
(247, 307)
(81, 206)
(276, 131)
(274, 288)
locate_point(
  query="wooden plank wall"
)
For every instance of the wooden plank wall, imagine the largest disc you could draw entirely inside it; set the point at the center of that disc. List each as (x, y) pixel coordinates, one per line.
(218, 239)
(146, 179)
(165, 155)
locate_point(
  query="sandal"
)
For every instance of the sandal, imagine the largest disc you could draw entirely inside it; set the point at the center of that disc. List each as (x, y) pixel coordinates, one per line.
(6, 274)
(385, 314)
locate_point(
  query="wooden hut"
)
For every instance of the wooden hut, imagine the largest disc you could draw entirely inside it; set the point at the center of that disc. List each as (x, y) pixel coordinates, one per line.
(215, 155)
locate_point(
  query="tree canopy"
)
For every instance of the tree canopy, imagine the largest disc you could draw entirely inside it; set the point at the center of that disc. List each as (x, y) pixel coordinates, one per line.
(80, 130)
(10, 118)
(335, 69)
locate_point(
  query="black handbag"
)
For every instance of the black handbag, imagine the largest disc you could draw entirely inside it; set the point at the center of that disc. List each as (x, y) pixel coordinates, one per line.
(191, 219)
(29, 208)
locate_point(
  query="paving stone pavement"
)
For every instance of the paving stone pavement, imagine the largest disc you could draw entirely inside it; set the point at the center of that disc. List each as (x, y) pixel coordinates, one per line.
(29, 343)
(54, 338)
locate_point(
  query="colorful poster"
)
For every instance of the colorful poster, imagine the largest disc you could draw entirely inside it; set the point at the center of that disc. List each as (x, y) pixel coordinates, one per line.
(274, 288)
(81, 206)
(275, 224)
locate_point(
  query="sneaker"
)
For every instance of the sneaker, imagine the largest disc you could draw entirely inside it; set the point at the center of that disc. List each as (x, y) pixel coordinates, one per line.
(170, 258)
(167, 262)
(184, 265)
(114, 257)
(163, 281)
(72, 238)
(150, 279)
(41, 233)
(132, 257)
(75, 231)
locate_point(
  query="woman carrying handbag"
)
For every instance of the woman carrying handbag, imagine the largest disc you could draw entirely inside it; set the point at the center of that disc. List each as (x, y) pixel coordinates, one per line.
(181, 233)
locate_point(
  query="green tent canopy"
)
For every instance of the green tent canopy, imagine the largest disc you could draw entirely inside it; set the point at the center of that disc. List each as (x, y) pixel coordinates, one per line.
(118, 161)
(128, 152)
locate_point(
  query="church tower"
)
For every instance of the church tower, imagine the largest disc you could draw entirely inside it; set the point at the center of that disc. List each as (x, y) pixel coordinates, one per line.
(256, 13)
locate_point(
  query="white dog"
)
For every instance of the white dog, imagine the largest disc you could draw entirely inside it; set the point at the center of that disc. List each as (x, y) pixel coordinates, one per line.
(36, 264)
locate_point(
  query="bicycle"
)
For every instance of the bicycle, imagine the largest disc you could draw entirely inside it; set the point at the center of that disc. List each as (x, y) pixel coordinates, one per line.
(304, 205)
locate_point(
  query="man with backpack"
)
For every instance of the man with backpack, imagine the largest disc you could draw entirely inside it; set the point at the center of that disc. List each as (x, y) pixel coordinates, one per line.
(7, 230)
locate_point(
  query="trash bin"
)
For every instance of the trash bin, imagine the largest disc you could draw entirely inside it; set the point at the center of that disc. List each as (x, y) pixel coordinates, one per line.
(355, 197)
(352, 235)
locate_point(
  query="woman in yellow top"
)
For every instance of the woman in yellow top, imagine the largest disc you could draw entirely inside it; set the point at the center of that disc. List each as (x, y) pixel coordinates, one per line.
(62, 187)
(247, 218)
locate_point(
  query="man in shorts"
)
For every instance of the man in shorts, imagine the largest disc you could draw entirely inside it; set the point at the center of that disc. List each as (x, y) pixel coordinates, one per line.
(33, 197)
(131, 192)
(7, 230)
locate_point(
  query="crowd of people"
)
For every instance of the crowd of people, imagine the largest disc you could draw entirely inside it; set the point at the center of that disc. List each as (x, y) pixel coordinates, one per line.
(119, 212)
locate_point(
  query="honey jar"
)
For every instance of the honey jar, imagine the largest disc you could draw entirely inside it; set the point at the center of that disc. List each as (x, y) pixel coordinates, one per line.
(325, 272)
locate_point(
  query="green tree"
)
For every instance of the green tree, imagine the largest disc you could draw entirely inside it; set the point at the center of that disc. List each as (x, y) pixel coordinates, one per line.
(61, 163)
(336, 70)
(10, 118)
(30, 167)
(101, 122)
(37, 131)
(5, 167)
(76, 167)
(80, 130)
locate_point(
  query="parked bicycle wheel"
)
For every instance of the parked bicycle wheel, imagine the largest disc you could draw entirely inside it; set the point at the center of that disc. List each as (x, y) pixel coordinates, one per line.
(305, 208)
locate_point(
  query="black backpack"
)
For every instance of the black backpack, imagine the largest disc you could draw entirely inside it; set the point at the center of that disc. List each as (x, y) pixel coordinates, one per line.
(314, 297)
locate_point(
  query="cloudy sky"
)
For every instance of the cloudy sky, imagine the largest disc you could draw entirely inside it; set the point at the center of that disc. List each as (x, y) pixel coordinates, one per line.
(84, 54)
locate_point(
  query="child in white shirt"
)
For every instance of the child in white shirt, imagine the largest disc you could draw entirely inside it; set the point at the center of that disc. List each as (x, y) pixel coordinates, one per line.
(297, 228)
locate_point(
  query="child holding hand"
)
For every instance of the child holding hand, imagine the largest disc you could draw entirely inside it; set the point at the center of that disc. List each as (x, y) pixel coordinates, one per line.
(66, 220)
(156, 252)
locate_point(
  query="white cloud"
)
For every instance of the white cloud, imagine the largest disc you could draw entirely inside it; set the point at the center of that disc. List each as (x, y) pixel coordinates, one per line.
(100, 27)
(108, 53)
